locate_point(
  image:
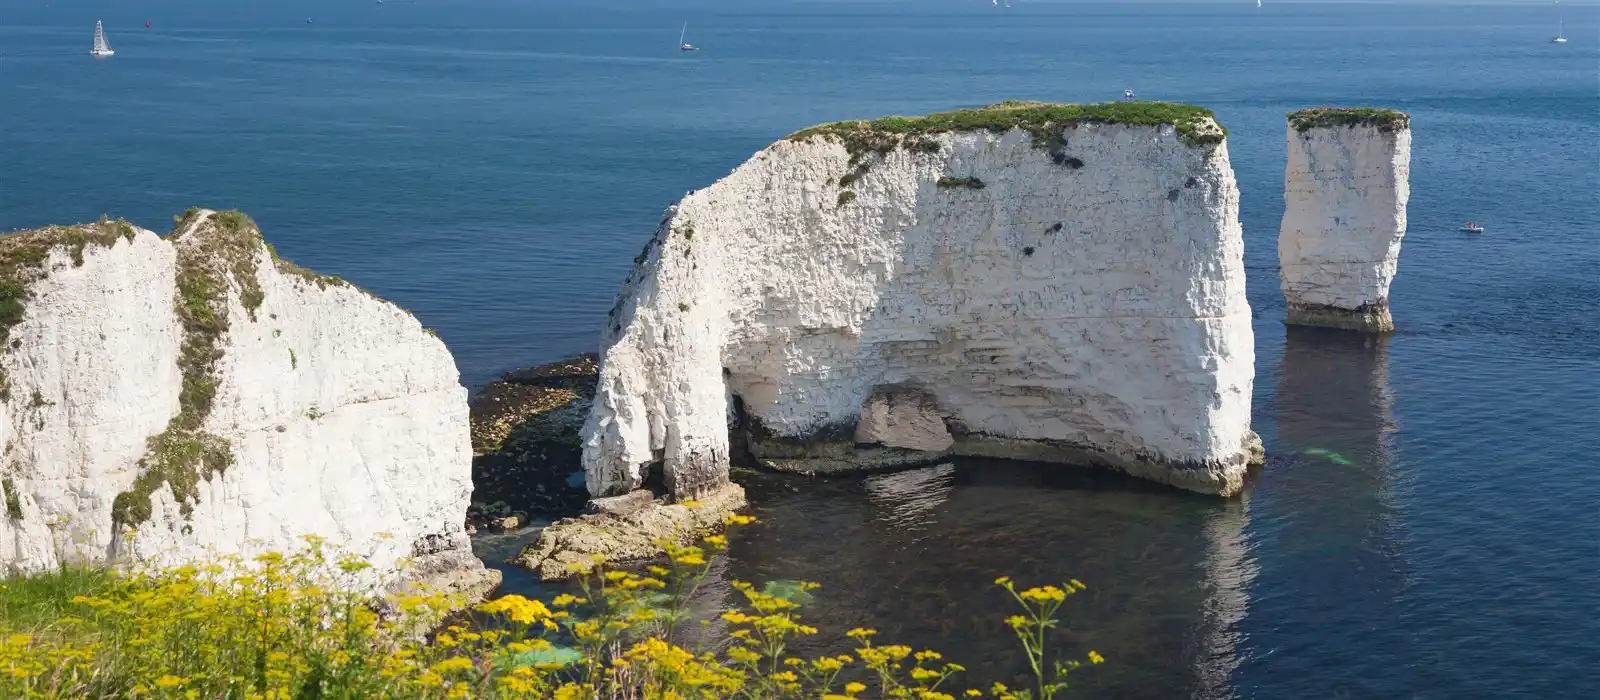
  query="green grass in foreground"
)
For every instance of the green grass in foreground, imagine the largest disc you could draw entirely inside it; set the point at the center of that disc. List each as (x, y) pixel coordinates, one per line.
(1326, 117)
(38, 600)
(1196, 125)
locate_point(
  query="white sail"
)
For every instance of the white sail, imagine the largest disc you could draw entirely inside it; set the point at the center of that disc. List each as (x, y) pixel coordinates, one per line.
(101, 48)
(684, 45)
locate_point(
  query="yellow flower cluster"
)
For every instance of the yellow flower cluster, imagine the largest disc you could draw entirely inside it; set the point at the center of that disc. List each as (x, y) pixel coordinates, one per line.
(295, 625)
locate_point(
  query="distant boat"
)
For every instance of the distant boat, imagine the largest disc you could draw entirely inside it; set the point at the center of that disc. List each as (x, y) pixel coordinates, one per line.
(1561, 28)
(683, 45)
(101, 48)
(1127, 94)
(1472, 227)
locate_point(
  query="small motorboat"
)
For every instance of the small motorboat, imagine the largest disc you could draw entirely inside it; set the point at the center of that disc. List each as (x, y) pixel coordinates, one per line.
(1472, 227)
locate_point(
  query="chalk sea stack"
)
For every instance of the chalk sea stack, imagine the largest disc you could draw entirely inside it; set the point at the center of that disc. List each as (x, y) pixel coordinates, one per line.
(167, 400)
(1048, 282)
(1345, 192)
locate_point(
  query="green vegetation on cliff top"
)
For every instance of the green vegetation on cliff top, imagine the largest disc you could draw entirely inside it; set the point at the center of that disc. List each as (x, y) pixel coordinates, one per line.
(1326, 117)
(1045, 121)
(23, 255)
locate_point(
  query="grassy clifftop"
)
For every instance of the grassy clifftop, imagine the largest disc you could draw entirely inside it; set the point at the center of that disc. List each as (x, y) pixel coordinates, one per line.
(1328, 117)
(1196, 125)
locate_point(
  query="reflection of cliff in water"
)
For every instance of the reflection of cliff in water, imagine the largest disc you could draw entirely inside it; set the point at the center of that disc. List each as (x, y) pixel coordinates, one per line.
(915, 555)
(1327, 515)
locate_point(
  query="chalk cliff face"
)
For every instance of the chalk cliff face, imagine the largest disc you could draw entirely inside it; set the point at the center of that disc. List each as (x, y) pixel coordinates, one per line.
(1345, 192)
(166, 399)
(1045, 282)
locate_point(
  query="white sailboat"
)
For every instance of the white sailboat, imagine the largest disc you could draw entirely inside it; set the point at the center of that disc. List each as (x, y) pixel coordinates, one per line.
(683, 45)
(1561, 31)
(101, 48)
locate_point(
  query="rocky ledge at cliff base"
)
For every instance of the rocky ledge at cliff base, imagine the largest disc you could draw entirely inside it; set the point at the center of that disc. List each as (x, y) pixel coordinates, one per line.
(173, 399)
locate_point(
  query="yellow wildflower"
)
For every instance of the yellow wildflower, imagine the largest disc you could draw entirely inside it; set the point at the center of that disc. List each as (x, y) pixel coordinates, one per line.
(170, 681)
(453, 665)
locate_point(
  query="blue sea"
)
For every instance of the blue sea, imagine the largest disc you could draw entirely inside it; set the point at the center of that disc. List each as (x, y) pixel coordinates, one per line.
(1428, 523)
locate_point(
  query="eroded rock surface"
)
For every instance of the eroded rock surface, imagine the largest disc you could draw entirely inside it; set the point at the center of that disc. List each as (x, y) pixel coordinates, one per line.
(1345, 192)
(1061, 283)
(629, 531)
(169, 399)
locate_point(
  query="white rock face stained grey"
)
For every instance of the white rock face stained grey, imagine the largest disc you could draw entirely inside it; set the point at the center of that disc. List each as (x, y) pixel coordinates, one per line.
(1345, 192)
(340, 415)
(1083, 304)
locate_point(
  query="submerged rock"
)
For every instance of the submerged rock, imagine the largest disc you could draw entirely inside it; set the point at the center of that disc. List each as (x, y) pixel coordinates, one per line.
(526, 443)
(1345, 191)
(168, 399)
(1059, 283)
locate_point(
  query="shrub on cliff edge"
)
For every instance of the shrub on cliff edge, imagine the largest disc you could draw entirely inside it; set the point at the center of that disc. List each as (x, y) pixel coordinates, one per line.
(287, 626)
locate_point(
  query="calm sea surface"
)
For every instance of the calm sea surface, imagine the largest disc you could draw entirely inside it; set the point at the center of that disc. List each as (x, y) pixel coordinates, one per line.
(1428, 524)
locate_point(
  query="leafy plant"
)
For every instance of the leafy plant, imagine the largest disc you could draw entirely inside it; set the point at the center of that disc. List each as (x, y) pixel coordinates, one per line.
(300, 626)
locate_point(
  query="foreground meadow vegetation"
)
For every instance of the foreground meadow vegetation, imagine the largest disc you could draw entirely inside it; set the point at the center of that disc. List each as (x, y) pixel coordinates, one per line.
(291, 627)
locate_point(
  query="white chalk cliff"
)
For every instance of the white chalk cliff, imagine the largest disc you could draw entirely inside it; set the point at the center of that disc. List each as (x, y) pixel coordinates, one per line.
(166, 400)
(1046, 282)
(1345, 192)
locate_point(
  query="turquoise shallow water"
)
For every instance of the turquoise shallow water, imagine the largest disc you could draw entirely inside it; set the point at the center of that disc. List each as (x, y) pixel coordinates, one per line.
(1425, 527)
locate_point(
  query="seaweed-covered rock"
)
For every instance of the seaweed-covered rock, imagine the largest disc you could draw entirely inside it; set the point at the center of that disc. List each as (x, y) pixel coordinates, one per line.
(526, 444)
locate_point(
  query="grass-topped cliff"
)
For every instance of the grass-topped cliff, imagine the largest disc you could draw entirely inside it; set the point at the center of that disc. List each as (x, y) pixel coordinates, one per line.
(1330, 117)
(23, 258)
(1044, 120)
